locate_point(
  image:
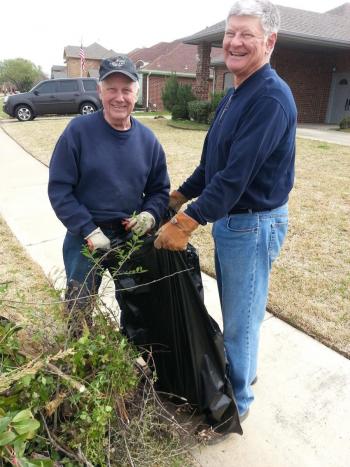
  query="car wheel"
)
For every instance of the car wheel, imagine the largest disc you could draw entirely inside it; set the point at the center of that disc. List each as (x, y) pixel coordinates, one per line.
(87, 108)
(24, 113)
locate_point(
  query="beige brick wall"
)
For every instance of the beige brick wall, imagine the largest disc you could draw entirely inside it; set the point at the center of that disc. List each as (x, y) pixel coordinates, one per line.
(73, 67)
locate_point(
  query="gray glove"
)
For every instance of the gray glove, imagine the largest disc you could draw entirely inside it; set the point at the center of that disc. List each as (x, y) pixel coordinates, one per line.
(141, 224)
(97, 239)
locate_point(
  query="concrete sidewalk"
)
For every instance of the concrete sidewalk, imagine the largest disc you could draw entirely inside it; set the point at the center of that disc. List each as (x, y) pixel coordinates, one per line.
(325, 133)
(301, 414)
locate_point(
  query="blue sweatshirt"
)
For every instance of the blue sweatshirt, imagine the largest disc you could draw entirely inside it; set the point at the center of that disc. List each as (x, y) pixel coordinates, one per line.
(101, 174)
(249, 152)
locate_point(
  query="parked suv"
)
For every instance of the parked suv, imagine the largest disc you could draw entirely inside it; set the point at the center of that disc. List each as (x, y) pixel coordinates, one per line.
(55, 96)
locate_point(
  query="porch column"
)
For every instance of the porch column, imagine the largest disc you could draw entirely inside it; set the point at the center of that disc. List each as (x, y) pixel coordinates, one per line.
(201, 88)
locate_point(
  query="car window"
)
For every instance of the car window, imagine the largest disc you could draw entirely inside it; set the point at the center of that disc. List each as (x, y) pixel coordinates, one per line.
(68, 86)
(90, 84)
(46, 88)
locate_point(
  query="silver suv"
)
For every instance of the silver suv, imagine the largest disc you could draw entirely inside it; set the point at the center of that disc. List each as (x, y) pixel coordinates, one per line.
(55, 96)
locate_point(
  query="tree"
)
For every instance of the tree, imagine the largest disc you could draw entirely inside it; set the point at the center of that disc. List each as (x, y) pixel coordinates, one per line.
(21, 73)
(169, 93)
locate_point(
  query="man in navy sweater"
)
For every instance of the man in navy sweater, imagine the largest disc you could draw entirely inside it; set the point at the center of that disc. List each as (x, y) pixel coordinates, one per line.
(105, 167)
(242, 184)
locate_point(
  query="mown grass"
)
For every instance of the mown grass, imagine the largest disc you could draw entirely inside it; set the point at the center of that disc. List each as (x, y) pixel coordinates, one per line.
(188, 125)
(310, 283)
(3, 115)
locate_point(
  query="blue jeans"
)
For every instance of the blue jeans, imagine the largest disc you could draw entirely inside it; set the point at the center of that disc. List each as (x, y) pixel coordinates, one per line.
(245, 247)
(84, 276)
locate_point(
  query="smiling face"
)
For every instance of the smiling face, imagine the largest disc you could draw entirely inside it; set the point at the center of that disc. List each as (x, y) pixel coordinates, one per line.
(246, 46)
(119, 95)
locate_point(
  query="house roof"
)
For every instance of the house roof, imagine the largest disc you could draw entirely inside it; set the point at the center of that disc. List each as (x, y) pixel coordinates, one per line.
(169, 57)
(331, 28)
(94, 51)
(148, 54)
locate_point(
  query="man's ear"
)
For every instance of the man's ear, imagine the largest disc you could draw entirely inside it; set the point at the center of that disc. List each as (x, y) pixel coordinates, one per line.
(270, 43)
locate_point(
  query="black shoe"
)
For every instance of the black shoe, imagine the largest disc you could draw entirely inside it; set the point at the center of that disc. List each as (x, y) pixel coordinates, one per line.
(255, 380)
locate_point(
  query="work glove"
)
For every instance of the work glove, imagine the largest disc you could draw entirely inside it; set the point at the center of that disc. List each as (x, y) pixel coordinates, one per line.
(176, 200)
(140, 224)
(175, 234)
(98, 240)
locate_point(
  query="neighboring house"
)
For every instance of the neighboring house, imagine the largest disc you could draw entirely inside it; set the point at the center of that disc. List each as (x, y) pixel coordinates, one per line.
(58, 71)
(312, 54)
(94, 53)
(155, 64)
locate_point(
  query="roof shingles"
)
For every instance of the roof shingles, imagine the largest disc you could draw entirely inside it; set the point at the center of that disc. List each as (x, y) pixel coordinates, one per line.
(332, 26)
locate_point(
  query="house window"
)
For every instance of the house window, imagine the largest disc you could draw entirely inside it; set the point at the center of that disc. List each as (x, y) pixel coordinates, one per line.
(228, 80)
(343, 82)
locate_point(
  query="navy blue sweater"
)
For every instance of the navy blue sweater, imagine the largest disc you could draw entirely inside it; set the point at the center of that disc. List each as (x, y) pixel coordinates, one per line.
(100, 174)
(249, 152)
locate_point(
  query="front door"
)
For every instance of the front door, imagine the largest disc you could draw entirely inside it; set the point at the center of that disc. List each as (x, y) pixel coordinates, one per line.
(339, 105)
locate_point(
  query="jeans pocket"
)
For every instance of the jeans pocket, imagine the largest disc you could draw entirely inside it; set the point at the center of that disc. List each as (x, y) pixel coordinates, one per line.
(242, 223)
(278, 234)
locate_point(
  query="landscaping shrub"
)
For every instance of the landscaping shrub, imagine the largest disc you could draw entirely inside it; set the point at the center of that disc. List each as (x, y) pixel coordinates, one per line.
(179, 112)
(175, 94)
(199, 111)
(216, 98)
(169, 93)
(345, 123)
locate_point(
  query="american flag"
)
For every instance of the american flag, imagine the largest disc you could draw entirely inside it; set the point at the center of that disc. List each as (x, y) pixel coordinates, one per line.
(82, 58)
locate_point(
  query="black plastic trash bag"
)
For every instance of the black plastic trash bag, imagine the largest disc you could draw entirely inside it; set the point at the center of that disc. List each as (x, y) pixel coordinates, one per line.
(169, 318)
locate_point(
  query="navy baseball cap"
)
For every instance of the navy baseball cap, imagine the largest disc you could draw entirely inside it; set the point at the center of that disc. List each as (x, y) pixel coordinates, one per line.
(119, 64)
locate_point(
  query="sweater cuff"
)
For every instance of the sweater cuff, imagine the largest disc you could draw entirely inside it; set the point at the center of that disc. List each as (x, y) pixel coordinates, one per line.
(88, 228)
(195, 215)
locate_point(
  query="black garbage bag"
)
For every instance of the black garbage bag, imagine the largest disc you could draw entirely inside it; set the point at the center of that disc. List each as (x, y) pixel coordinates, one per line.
(169, 318)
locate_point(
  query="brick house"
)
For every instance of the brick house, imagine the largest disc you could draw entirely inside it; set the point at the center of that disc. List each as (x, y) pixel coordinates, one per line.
(94, 53)
(312, 54)
(155, 64)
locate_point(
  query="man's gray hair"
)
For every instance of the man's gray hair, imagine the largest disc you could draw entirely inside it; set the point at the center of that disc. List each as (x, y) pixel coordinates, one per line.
(263, 9)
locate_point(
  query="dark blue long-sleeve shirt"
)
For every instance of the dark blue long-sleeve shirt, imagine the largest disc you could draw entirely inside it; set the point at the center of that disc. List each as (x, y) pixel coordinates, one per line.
(101, 174)
(249, 152)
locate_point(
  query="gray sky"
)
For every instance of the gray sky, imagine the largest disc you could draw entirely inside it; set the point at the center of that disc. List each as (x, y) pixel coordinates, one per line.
(38, 30)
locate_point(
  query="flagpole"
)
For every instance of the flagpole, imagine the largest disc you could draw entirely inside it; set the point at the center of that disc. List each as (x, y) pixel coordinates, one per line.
(81, 57)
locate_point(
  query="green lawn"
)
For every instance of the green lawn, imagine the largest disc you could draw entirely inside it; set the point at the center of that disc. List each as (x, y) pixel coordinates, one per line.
(2, 113)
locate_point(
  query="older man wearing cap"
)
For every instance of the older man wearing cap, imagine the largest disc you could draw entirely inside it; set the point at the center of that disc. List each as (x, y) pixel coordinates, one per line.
(105, 167)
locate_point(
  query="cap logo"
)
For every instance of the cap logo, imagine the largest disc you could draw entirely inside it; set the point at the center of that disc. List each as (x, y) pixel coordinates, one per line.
(118, 62)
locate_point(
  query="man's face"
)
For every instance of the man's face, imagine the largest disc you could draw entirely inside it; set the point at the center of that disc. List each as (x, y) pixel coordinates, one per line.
(246, 47)
(118, 95)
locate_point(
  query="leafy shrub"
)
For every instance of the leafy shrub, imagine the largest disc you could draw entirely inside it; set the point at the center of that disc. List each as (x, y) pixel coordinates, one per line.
(215, 99)
(185, 94)
(169, 93)
(177, 94)
(179, 112)
(211, 117)
(199, 111)
(345, 123)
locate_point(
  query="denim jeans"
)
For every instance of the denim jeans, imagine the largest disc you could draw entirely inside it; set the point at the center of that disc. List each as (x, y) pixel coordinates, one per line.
(245, 247)
(84, 276)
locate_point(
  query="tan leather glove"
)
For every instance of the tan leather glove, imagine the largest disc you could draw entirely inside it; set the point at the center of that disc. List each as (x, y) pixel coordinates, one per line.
(175, 234)
(140, 224)
(97, 239)
(176, 200)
